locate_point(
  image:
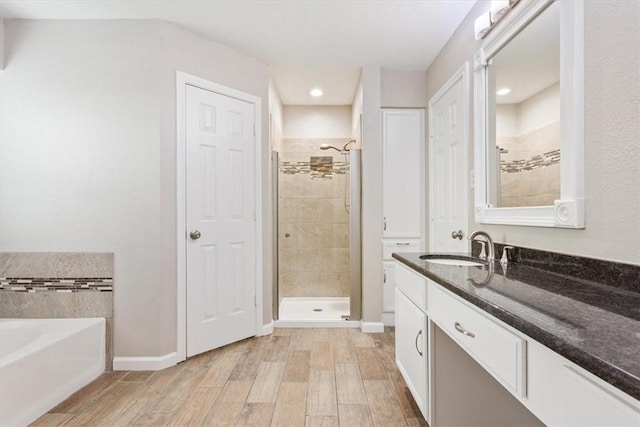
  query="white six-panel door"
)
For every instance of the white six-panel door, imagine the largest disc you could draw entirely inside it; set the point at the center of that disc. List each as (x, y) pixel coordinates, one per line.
(220, 214)
(448, 190)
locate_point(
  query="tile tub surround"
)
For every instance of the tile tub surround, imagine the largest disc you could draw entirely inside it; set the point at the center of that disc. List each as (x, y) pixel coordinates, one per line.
(313, 241)
(58, 285)
(61, 265)
(592, 335)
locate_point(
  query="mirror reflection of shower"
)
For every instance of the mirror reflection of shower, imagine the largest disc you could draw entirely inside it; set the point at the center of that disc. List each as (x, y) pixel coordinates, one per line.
(345, 152)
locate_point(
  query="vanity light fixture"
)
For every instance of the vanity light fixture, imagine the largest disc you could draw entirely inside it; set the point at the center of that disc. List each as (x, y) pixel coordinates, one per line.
(316, 92)
(497, 10)
(482, 25)
(503, 91)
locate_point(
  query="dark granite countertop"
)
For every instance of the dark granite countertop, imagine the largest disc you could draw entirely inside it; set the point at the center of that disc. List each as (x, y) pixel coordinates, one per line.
(594, 325)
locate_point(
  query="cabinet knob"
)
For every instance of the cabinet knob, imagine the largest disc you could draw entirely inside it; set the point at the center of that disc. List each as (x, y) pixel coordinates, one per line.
(457, 234)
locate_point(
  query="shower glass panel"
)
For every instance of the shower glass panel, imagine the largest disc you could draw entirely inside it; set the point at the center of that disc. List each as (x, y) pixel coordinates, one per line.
(313, 230)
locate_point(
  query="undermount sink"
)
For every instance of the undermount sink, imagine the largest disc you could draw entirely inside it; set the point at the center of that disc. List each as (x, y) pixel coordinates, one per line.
(451, 260)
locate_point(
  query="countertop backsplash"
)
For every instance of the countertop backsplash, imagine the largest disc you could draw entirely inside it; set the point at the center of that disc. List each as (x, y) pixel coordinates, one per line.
(609, 273)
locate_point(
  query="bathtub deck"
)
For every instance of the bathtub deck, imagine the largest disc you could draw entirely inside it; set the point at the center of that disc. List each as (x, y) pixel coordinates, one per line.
(294, 377)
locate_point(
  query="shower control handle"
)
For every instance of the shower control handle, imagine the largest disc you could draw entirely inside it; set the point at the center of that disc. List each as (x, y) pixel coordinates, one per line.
(195, 235)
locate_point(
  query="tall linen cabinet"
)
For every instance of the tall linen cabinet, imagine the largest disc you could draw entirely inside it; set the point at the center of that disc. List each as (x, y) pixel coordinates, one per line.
(403, 193)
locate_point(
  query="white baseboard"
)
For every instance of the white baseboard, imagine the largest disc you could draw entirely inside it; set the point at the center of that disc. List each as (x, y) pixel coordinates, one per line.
(318, 323)
(145, 363)
(389, 319)
(372, 327)
(267, 329)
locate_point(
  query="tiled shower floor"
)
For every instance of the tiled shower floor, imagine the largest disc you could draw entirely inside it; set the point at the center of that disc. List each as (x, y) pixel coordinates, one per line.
(314, 309)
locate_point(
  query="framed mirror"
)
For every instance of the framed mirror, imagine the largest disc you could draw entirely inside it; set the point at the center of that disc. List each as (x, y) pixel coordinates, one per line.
(528, 83)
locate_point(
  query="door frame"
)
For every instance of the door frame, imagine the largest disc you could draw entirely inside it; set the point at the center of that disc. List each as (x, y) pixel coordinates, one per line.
(463, 73)
(182, 80)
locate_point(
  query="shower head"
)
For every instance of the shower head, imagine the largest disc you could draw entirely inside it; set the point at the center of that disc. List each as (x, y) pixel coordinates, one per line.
(341, 150)
(328, 147)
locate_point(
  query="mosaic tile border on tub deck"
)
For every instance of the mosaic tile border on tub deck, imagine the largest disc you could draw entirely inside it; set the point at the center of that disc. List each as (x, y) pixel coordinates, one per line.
(39, 284)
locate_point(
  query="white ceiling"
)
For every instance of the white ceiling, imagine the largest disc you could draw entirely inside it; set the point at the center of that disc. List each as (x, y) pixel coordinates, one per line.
(307, 43)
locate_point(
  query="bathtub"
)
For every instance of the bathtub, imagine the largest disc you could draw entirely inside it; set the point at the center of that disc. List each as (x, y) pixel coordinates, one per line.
(43, 361)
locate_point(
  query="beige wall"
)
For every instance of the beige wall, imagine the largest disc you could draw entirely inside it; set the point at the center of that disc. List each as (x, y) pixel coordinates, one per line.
(612, 134)
(317, 121)
(402, 89)
(88, 154)
(541, 109)
(275, 118)
(356, 116)
(371, 196)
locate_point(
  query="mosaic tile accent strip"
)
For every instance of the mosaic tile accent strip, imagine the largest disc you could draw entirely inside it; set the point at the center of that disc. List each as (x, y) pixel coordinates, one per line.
(316, 168)
(535, 162)
(38, 284)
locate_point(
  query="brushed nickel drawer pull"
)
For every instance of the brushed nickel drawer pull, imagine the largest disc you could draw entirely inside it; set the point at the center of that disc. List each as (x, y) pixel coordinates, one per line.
(418, 336)
(463, 331)
(403, 244)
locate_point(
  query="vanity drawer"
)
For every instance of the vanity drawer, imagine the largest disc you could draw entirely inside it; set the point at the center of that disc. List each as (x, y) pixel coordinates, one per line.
(498, 350)
(391, 246)
(412, 284)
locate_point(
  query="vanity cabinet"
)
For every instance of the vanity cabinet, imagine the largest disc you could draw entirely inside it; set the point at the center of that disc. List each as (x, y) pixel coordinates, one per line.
(555, 390)
(402, 194)
(411, 349)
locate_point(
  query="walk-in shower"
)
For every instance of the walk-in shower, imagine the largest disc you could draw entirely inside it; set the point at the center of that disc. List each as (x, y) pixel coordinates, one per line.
(318, 229)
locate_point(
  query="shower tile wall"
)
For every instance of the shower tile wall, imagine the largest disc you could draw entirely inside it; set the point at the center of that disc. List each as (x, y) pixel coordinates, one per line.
(313, 223)
(530, 171)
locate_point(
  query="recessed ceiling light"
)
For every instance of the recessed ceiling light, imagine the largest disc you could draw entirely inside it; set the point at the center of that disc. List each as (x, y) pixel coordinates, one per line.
(316, 92)
(503, 91)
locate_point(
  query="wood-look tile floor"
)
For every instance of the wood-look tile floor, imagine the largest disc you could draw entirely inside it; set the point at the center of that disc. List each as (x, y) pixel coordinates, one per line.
(294, 377)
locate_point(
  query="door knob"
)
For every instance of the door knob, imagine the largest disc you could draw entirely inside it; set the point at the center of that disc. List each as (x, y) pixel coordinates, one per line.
(195, 235)
(457, 234)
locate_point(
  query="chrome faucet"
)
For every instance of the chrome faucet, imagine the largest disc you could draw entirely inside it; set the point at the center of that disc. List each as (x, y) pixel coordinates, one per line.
(490, 248)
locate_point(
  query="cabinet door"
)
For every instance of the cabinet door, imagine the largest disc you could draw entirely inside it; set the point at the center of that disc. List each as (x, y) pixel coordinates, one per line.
(411, 349)
(402, 171)
(388, 287)
(586, 399)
